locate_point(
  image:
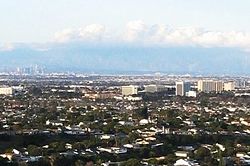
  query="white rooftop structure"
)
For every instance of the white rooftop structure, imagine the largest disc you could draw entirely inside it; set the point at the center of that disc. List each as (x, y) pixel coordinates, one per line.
(185, 162)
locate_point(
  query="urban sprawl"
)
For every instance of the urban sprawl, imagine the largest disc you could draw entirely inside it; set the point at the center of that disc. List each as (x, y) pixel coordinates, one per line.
(77, 119)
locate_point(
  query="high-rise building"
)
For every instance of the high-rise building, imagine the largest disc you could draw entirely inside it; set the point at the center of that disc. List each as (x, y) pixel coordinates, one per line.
(32, 70)
(129, 90)
(240, 83)
(182, 88)
(229, 86)
(210, 86)
(218, 86)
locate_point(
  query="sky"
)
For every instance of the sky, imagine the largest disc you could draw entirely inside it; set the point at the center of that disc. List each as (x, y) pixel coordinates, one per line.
(46, 25)
(38, 20)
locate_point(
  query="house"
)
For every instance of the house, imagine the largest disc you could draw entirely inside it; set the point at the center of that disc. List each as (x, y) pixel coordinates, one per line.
(144, 122)
(185, 162)
(7, 155)
(114, 150)
(181, 154)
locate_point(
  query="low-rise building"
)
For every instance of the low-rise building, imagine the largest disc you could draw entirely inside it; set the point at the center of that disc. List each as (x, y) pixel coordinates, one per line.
(6, 91)
(129, 90)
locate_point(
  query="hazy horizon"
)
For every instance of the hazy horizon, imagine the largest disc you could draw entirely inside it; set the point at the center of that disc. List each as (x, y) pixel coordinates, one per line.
(173, 36)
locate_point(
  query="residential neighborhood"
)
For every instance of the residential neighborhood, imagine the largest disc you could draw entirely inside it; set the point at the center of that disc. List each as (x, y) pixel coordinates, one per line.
(111, 120)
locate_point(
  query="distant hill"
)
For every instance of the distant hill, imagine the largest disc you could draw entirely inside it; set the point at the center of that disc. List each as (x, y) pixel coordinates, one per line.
(77, 57)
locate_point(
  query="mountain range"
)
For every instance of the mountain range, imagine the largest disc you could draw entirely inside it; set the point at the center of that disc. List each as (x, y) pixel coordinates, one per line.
(80, 57)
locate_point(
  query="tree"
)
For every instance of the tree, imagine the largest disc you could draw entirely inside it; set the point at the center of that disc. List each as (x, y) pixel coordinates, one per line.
(35, 91)
(131, 162)
(33, 150)
(4, 161)
(202, 153)
(170, 159)
(171, 113)
(144, 113)
(79, 163)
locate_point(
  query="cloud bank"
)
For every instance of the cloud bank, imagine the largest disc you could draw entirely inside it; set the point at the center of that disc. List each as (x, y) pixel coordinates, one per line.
(6, 47)
(158, 34)
(93, 32)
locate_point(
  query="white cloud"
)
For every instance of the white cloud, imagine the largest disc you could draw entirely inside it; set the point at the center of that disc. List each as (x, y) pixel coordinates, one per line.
(135, 30)
(139, 32)
(7, 47)
(93, 32)
(65, 35)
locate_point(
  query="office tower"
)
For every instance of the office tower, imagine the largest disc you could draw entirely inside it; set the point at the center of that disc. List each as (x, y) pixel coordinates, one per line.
(182, 88)
(129, 90)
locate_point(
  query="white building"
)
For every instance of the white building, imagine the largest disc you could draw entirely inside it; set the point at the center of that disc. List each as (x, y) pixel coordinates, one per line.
(131, 98)
(229, 86)
(191, 94)
(210, 86)
(182, 88)
(185, 162)
(129, 90)
(6, 91)
(181, 154)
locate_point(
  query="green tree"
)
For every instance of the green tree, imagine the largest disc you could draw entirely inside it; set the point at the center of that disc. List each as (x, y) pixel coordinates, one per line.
(202, 153)
(34, 150)
(131, 162)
